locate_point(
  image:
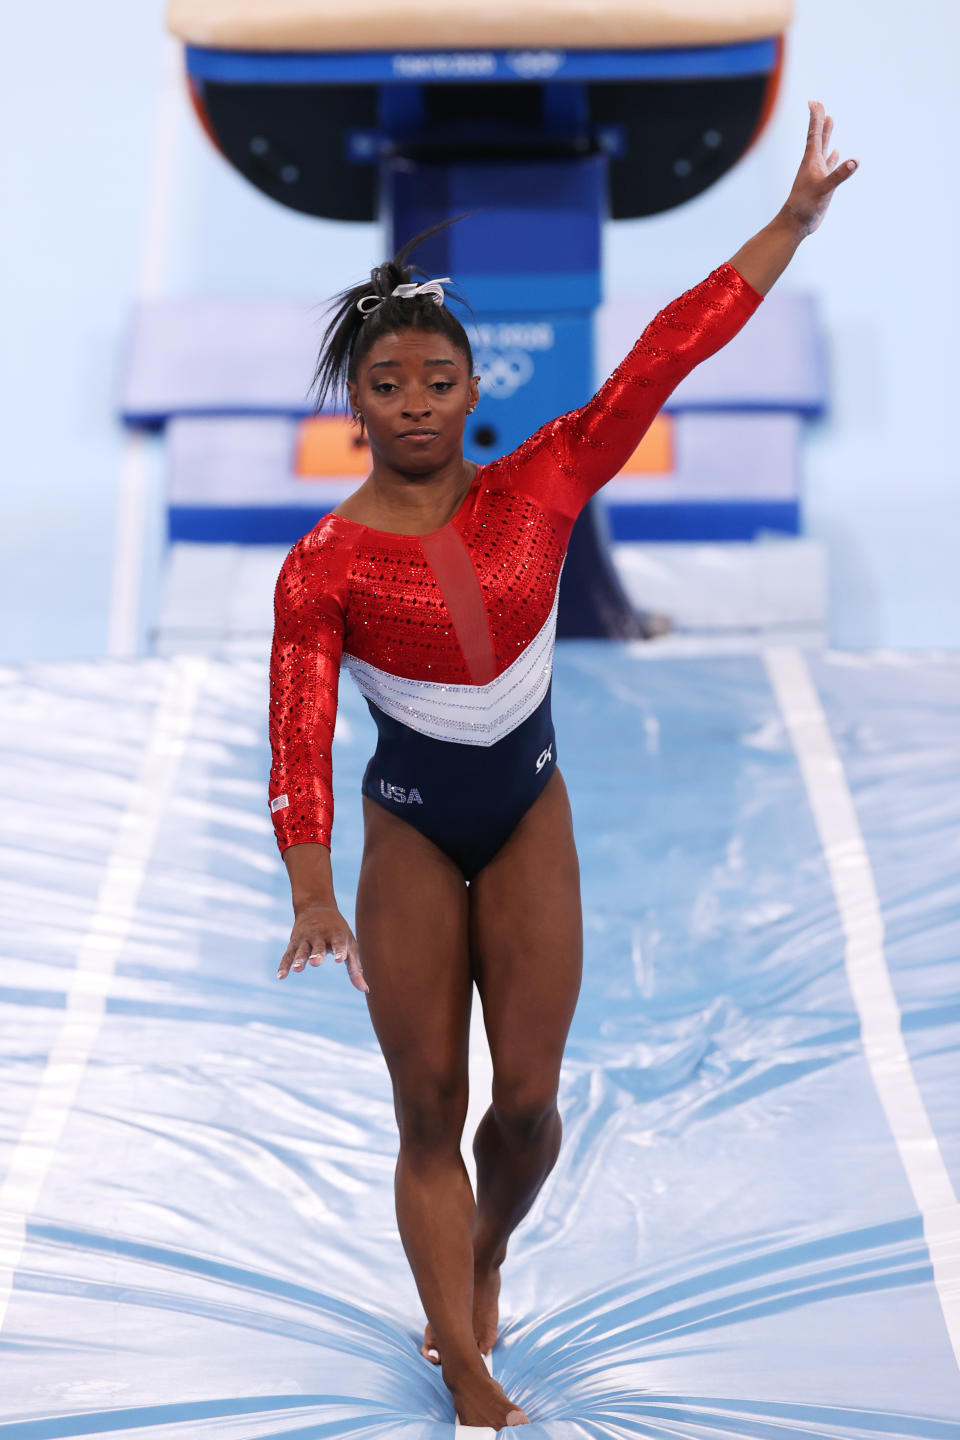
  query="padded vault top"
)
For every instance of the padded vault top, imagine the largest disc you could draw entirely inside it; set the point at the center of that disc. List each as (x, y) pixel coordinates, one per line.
(471, 24)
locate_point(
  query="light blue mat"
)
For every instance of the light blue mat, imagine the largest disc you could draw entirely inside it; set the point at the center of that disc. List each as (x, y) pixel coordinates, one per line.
(197, 1233)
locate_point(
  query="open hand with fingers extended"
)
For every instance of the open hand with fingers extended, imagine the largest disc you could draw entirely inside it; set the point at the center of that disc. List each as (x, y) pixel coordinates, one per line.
(765, 256)
(819, 174)
(320, 930)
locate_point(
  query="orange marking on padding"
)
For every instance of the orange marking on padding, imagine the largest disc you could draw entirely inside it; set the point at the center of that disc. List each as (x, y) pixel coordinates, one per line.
(327, 445)
(655, 453)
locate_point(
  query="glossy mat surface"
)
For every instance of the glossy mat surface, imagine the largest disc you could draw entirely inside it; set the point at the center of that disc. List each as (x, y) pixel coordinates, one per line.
(198, 1235)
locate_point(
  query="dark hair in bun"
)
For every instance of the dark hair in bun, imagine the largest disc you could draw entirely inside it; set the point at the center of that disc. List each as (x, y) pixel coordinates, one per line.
(351, 334)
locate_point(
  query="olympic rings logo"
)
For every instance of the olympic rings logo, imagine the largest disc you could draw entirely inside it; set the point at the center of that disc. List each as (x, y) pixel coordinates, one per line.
(503, 372)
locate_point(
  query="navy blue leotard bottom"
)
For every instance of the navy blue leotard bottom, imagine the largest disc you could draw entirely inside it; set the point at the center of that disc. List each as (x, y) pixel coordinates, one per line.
(465, 798)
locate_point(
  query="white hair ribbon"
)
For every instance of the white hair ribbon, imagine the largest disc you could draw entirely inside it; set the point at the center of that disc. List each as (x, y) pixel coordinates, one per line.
(368, 303)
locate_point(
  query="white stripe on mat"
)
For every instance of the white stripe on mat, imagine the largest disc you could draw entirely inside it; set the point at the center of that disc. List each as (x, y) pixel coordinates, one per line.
(96, 962)
(868, 976)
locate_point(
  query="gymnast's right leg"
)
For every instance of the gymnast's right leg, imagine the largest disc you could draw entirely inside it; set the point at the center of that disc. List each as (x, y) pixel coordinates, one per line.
(411, 928)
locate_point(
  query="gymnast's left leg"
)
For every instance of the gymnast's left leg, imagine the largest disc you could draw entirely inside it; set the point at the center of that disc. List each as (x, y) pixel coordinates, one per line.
(526, 941)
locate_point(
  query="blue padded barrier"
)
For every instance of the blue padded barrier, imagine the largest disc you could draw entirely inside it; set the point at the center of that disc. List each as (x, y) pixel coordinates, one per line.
(230, 479)
(219, 355)
(282, 525)
(249, 460)
(243, 524)
(755, 57)
(704, 520)
(230, 376)
(243, 355)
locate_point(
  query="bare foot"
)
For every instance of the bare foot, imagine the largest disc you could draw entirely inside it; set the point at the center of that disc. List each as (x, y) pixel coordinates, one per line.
(486, 1292)
(479, 1400)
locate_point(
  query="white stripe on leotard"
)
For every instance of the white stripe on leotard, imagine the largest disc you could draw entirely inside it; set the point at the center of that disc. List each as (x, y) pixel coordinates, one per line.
(468, 714)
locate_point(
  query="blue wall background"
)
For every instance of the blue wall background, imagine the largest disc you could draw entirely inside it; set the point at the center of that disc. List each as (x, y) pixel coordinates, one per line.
(92, 220)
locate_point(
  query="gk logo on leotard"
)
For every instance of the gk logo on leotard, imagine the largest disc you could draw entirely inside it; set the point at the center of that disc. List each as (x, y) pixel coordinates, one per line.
(547, 755)
(400, 794)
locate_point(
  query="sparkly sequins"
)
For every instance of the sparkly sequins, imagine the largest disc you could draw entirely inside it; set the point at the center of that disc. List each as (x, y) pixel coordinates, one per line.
(346, 588)
(304, 679)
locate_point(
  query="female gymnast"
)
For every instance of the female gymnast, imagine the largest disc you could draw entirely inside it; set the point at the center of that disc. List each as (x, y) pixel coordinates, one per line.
(436, 582)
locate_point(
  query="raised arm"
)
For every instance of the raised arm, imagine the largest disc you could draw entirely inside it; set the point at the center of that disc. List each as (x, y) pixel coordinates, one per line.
(765, 256)
(587, 447)
(304, 682)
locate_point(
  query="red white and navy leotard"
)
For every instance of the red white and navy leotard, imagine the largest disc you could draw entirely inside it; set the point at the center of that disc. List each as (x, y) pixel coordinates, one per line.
(450, 635)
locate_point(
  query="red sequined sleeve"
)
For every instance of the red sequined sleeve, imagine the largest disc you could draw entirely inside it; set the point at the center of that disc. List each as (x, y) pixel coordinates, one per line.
(304, 679)
(590, 445)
